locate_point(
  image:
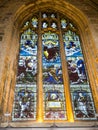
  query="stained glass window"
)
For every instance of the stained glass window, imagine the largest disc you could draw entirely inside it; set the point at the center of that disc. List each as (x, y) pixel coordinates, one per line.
(59, 39)
(26, 90)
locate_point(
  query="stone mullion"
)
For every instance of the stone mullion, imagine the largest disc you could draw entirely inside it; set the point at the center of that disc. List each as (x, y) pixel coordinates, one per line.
(40, 83)
(65, 76)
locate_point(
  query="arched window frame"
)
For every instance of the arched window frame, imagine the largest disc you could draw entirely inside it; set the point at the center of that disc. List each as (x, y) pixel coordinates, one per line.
(63, 64)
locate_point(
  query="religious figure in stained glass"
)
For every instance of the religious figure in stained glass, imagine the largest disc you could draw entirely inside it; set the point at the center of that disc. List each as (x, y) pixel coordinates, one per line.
(25, 103)
(27, 69)
(83, 104)
(76, 70)
(52, 74)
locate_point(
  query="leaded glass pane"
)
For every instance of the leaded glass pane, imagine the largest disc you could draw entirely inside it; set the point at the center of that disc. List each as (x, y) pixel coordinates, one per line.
(44, 24)
(54, 100)
(82, 101)
(63, 23)
(44, 15)
(76, 70)
(35, 22)
(26, 24)
(25, 92)
(71, 25)
(52, 15)
(52, 74)
(54, 25)
(25, 102)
